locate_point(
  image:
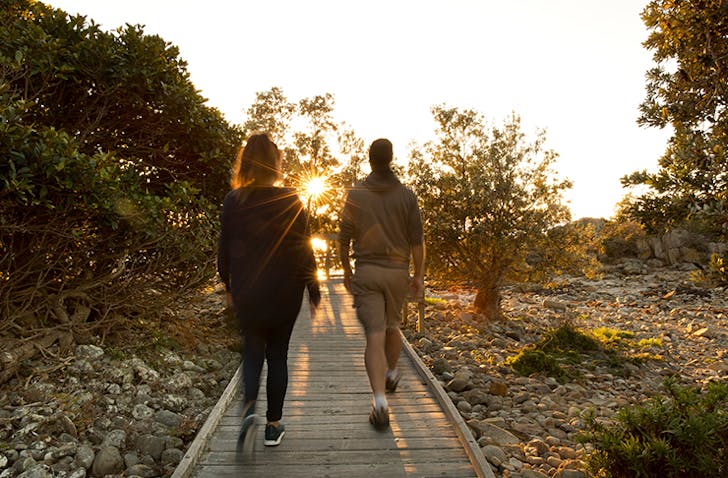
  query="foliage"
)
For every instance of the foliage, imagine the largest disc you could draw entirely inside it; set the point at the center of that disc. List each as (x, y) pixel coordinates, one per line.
(716, 273)
(112, 172)
(121, 91)
(562, 349)
(313, 145)
(621, 238)
(570, 249)
(488, 195)
(681, 434)
(688, 90)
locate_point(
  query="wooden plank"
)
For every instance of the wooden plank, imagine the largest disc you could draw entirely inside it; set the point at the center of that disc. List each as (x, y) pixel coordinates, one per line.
(338, 470)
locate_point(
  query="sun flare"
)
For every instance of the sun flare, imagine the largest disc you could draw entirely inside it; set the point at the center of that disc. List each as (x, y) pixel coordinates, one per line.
(315, 187)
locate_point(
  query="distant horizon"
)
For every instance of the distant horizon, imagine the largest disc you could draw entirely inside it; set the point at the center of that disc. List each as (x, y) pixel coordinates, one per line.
(575, 69)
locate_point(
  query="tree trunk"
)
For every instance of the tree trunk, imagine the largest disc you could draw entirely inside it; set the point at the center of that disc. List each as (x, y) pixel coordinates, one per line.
(15, 354)
(487, 302)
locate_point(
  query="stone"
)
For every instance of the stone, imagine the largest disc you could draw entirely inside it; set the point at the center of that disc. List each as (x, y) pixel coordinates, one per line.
(494, 454)
(171, 456)
(555, 305)
(168, 418)
(116, 439)
(151, 445)
(141, 470)
(536, 447)
(494, 434)
(439, 366)
(476, 396)
(457, 384)
(533, 474)
(498, 388)
(464, 406)
(108, 461)
(90, 352)
(39, 471)
(85, 457)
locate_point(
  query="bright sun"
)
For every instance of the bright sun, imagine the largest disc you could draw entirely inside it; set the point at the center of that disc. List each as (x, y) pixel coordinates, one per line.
(315, 187)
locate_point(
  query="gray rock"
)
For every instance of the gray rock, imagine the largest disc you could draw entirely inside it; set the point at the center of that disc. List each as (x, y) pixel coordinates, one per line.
(90, 352)
(493, 433)
(171, 456)
(78, 473)
(151, 445)
(141, 470)
(142, 412)
(108, 461)
(494, 455)
(168, 418)
(39, 471)
(458, 384)
(85, 457)
(476, 396)
(179, 381)
(131, 459)
(115, 438)
(536, 447)
(533, 474)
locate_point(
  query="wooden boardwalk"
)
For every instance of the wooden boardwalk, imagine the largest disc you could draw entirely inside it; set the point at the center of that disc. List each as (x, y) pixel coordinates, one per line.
(326, 415)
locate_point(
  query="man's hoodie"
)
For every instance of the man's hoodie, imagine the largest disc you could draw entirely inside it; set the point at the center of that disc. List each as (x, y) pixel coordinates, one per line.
(382, 219)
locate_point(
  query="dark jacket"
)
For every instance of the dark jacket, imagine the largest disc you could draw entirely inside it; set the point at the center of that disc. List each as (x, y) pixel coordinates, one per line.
(265, 257)
(383, 220)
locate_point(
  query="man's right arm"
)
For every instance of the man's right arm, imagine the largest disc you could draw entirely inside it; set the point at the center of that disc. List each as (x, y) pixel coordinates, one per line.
(417, 284)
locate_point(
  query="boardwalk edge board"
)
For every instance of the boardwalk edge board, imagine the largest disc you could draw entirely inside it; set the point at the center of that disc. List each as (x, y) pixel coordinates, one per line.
(481, 466)
(189, 460)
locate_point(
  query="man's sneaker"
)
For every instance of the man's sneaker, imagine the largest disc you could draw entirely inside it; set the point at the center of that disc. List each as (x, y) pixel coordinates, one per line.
(274, 434)
(392, 381)
(379, 417)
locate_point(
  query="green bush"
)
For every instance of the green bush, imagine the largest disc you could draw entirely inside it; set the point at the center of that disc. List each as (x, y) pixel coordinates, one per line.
(681, 434)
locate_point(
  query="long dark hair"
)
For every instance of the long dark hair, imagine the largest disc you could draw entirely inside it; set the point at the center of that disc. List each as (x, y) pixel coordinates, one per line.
(257, 163)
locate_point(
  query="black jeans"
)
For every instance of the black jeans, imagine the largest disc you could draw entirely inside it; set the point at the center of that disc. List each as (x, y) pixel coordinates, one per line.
(270, 344)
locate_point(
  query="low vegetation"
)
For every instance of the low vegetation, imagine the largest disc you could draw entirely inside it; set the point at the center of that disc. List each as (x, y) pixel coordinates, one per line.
(683, 433)
(562, 352)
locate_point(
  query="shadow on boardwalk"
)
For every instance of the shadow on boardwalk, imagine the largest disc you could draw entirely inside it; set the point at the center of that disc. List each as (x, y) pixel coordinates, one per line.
(326, 415)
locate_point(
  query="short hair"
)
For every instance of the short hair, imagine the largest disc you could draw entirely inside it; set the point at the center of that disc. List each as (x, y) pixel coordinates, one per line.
(380, 155)
(257, 162)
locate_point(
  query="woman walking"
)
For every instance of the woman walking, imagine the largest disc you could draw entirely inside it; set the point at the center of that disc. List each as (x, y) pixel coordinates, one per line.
(266, 261)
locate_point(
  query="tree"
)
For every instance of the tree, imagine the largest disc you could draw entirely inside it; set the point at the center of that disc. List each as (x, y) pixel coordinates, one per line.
(488, 195)
(688, 90)
(111, 174)
(121, 91)
(308, 136)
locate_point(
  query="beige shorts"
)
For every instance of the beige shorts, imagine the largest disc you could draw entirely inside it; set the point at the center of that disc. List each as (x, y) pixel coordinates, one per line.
(379, 293)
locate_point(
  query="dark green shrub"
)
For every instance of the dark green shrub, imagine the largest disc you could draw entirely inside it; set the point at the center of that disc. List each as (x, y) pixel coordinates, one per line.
(681, 434)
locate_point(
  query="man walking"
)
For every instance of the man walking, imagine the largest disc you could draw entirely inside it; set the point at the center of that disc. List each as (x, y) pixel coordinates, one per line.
(382, 220)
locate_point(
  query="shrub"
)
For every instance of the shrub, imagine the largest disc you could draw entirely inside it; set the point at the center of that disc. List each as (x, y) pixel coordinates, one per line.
(681, 434)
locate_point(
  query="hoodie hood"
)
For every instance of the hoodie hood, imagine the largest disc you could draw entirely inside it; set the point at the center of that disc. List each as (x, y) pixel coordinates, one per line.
(381, 181)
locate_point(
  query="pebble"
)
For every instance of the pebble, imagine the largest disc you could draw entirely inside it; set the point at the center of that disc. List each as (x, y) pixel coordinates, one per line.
(534, 420)
(138, 417)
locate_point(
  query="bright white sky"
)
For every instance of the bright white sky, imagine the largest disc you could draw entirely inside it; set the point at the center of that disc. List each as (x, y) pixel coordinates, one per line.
(573, 67)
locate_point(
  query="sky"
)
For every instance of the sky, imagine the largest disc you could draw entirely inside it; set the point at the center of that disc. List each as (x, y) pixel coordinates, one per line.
(574, 68)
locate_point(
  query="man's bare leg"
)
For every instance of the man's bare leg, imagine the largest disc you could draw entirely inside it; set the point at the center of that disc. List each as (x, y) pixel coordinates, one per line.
(375, 361)
(393, 347)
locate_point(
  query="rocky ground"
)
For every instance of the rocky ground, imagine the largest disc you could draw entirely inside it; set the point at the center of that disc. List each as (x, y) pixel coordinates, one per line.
(526, 426)
(130, 404)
